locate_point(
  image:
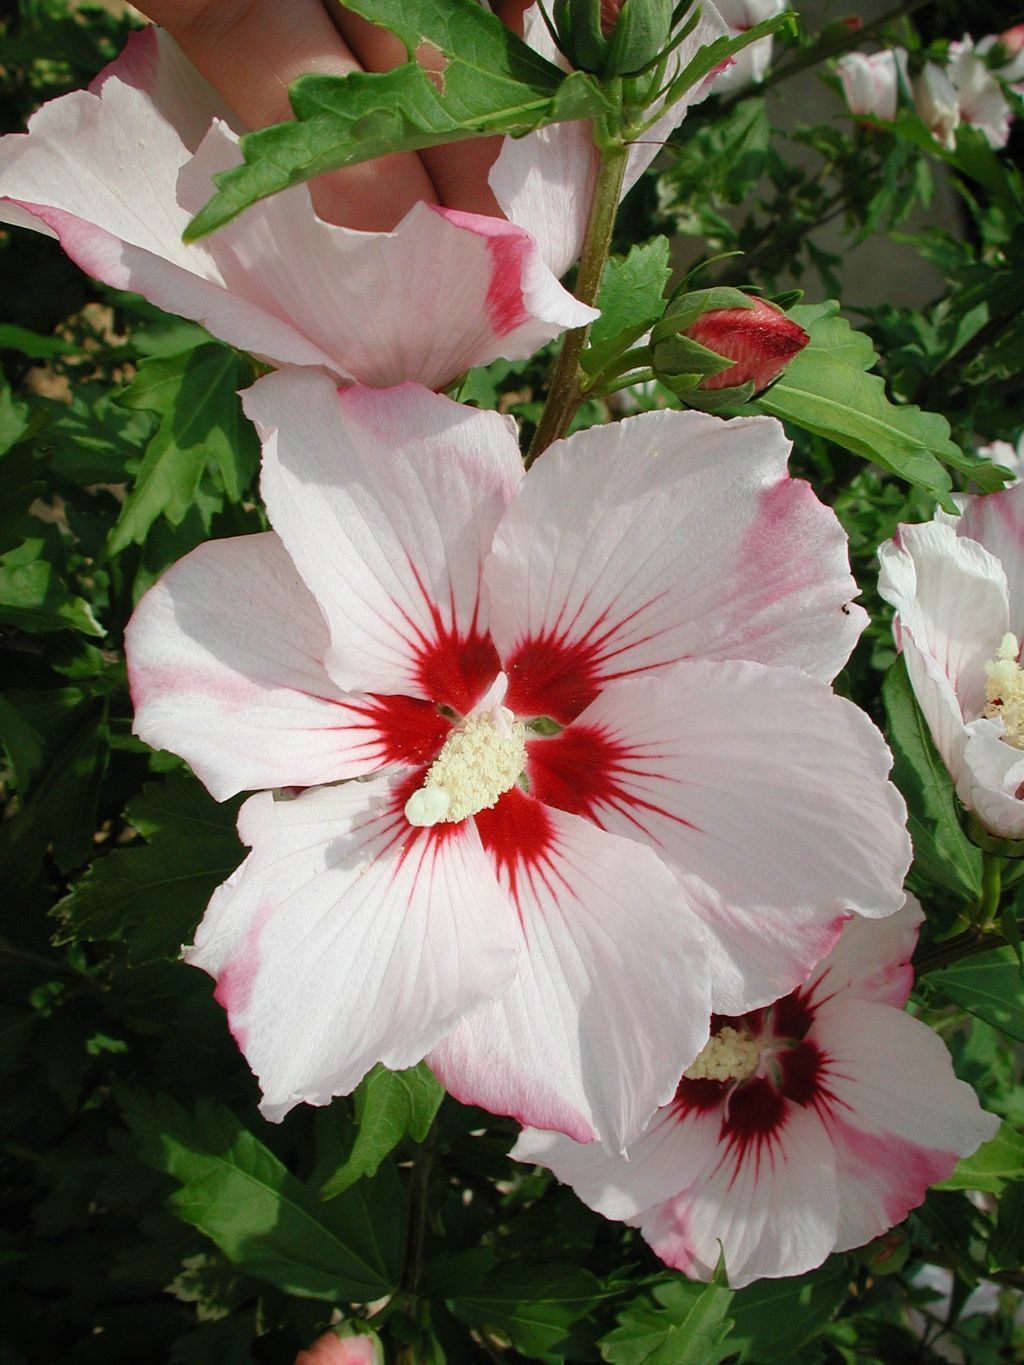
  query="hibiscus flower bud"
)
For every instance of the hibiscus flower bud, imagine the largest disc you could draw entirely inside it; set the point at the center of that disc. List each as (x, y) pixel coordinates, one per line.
(758, 338)
(331, 1349)
(1012, 41)
(612, 37)
(871, 82)
(937, 104)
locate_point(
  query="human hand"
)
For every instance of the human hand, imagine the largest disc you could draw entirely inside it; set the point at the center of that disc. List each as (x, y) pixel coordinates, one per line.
(252, 50)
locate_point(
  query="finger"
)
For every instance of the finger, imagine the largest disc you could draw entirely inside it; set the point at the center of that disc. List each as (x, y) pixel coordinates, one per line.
(250, 51)
(458, 170)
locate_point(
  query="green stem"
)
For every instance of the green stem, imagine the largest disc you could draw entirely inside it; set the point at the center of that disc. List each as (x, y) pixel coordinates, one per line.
(564, 395)
(415, 1227)
(991, 890)
(968, 944)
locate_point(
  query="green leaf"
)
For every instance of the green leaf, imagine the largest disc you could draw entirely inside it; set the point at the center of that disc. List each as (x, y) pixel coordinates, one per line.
(534, 1305)
(153, 896)
(196, 394)
(1006, 1249)
(632, 290)
(705, 61)
(34, 596)
(773, 1319)
(32, 344)
(389, 1104)
(989, 986)
(264, 1220)
(491, 82)
(942, 851)
(826, 390)
(689, 1328)
(992, 1165)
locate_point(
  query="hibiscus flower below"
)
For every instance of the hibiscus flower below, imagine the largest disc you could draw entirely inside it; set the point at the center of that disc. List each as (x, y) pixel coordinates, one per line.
(807, 1127)
(602, 769)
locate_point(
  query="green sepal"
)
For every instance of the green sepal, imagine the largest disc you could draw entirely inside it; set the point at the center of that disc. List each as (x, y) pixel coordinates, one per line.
(641, 32)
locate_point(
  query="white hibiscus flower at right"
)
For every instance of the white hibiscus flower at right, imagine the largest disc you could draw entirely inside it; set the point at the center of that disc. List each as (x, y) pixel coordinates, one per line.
(809, 1126)
(958, 588)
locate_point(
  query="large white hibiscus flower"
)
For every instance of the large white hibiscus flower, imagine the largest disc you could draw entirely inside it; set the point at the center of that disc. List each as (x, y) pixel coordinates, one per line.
(591, 706)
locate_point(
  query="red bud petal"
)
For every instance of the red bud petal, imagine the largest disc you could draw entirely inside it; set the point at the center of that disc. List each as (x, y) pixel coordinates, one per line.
(761, 340)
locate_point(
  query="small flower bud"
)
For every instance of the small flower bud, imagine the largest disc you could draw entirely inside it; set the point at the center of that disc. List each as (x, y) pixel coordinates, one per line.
(759, 339)
(1012, 40)
(871, 82)
(936, 101)
(330, 1349)
(612, 37)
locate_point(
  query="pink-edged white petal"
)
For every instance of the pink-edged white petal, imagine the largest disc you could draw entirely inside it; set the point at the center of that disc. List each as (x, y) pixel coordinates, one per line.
(898, 1116)
(603, 565)
(872, 960)
(672, 1153)
(770, 1208)
(951, 595)
(442, 292)
(225, 659)
(996, 521)
(347, 938)
(596, 1029)
(545, 182)
(762, 790)
(387, 501)
(110, 172)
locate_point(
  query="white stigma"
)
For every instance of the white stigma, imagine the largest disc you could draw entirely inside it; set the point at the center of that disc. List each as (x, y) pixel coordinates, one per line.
(481, 760)
(728, 1055)
(1004, 690)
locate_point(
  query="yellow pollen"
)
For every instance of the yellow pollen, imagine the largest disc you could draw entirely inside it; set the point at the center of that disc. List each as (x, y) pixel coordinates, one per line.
(480, 762)
(728, 1055)
(1004, 689)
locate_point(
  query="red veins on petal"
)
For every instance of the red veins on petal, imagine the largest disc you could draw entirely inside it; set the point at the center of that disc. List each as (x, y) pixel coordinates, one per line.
(401, 729)
(580, 771)
(550, 677)
(454, 667)
(518, 835)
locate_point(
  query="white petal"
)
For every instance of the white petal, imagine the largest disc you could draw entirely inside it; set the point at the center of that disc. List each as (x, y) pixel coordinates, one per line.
(670, 1155)
(110, 172)
(996, 521)
(596, 1029)
(872, 960)
(387, 502)
(225, 658)
(900, 1119)
(772, 1211)
(992, 779)
(764, 792)
(347, 938)
(442, 292)
(662, 537)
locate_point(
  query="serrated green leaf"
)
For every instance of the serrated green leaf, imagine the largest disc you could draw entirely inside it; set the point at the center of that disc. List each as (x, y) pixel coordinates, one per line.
(492, 82)
(632, 289)
(989, 986)
(196, 395)
(689, 1327)
(264, 1220)
(992, 1166)
(389, 1104)
(34, 596)
(942, 851)
(827, 390)
(153, 896)
(535, 1306)
(773, 1319)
